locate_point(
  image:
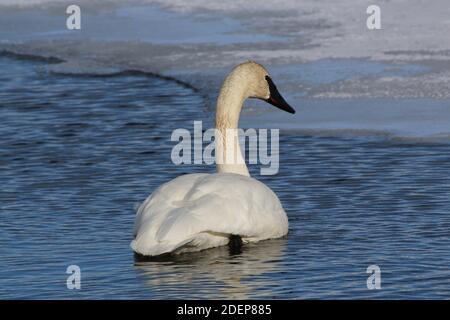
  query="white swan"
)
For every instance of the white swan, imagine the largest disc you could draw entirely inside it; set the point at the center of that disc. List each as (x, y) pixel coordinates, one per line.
(199, 211)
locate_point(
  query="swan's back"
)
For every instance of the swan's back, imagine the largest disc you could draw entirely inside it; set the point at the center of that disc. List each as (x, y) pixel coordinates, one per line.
(199, 211)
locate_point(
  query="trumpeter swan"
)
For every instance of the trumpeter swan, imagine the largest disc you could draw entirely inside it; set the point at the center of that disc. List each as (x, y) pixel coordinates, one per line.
(199, 211)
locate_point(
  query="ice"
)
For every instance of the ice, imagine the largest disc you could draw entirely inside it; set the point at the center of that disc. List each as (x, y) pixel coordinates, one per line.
(341, 76)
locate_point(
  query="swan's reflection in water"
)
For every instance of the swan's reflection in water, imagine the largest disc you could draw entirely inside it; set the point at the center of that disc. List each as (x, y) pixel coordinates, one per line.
(217, 273)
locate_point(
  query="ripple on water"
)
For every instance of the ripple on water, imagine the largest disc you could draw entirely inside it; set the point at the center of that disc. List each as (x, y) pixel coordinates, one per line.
(78, 153)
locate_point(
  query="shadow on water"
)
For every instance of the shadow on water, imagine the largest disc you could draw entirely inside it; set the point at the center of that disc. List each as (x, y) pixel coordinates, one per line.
(217, 272)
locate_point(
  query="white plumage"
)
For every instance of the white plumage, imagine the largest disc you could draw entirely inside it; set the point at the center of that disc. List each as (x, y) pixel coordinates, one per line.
(199, 211)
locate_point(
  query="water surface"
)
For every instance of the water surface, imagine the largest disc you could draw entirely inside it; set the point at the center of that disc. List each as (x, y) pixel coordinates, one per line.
(78, 152)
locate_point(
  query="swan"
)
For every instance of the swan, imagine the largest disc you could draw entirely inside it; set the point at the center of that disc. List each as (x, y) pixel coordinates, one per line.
(198, 211)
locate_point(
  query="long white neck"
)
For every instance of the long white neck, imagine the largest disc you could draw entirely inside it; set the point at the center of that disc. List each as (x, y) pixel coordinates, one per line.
(229, 104)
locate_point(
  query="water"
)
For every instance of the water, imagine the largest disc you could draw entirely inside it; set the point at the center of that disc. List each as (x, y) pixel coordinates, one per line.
(78, 152)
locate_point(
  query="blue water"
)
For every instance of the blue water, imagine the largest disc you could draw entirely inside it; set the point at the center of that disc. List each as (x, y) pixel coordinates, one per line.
(78, 152)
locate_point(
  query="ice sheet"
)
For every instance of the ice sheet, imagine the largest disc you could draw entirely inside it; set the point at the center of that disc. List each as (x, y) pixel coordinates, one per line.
(341, 75)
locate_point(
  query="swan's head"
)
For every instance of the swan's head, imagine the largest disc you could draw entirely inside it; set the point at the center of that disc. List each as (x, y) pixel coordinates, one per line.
(257, 83)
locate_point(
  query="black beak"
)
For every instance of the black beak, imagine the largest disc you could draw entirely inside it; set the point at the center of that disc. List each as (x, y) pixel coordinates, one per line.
(276, 99)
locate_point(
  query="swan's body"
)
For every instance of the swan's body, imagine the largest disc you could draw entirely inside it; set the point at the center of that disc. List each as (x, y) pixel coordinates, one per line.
(199, 211)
